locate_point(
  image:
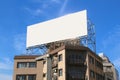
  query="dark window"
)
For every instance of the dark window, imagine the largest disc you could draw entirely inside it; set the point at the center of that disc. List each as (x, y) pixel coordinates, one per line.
(31, 77)
(91, 60)
(99, 77)
(21, 65)
(92, 74)
(108, 79)
(32, 64)
(21, 77)
(44, 62)
(60, 72)
(60, 57)
(99, 65)
(75, 73)
(44, 74)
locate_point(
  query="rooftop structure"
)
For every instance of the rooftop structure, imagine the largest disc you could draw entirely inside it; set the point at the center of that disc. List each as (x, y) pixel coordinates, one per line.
(109, 69)
(64, 63)
(72, 28)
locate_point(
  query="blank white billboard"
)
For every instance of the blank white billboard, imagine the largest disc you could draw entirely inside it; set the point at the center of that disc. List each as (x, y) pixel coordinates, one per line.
(65, 27)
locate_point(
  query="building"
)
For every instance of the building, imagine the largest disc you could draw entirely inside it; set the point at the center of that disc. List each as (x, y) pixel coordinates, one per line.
(26, 68)
(109, 69)
(67, 62)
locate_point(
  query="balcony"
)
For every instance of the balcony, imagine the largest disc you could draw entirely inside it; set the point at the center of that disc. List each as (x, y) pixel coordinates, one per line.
(77, 62)
(54, 63)
(76, 77)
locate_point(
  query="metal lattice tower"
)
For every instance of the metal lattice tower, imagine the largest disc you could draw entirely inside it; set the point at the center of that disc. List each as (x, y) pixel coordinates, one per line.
(89, 40)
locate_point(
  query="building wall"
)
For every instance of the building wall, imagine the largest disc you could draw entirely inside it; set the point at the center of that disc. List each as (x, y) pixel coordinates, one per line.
(82, 65)
(75, 60)
(109, 69)
(45, 69)
(61, 65)
(28, 71)
(97, 70)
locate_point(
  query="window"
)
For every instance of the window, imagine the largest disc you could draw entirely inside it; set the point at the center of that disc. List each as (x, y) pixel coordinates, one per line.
(91, 60)
(21, 65)
(99, 77)
(60, 72)
(108, 79)
(76, 72)
(108, 68)
(21, 77)
(92, 74)
(99, 64)
(26, 64)
(44, 74)
(32, 64)
(44, 62)
(31, 77)
(60, 57)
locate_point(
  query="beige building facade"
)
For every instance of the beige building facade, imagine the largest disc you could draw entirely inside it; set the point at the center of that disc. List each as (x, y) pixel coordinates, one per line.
(64, 63)
(109, 69)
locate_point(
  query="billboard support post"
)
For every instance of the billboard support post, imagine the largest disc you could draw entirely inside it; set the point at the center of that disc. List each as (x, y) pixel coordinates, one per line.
(89, 40)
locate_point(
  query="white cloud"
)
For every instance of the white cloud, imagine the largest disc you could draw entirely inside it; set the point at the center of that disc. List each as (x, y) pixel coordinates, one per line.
(112, 39)
(46, 1)
(6, 64)
(56, 1)
(117, 63)
(20, 43)
(34, 12)
(46, 5)
(5, 77)
(63, 7)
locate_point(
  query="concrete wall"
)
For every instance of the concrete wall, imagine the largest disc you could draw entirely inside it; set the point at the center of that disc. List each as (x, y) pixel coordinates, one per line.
(93, 67)
(61, 65)
(26, 71)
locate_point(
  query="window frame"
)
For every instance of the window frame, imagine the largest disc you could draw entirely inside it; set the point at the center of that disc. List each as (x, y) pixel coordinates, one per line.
(33, 77)
(22, 64)
(35, 64)
(60, 57)
(18, 77)
(60, 72)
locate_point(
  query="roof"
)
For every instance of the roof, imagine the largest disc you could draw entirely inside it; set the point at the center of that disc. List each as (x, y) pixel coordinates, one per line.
(26, 56)
(71, 47)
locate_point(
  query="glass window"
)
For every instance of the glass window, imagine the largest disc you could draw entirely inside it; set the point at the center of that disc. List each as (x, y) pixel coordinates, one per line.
(22, 65)
(92, 74)
(44, 62)
(99, 65)
(21, 77)
(31, 77)
(60, 57)
(32, 64)
(60, 72)
(91, 60)
(44, 74)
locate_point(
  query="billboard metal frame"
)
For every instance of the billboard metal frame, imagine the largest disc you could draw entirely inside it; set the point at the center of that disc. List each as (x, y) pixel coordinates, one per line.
(87, 41)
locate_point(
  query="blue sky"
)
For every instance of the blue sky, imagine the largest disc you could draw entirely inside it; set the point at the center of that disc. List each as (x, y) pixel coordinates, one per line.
(16, 15)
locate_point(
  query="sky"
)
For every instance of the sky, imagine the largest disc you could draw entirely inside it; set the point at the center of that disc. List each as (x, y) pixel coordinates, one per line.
(16, 15)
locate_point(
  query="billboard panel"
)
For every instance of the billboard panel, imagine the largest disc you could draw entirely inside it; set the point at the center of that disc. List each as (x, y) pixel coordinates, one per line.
(65, 27)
